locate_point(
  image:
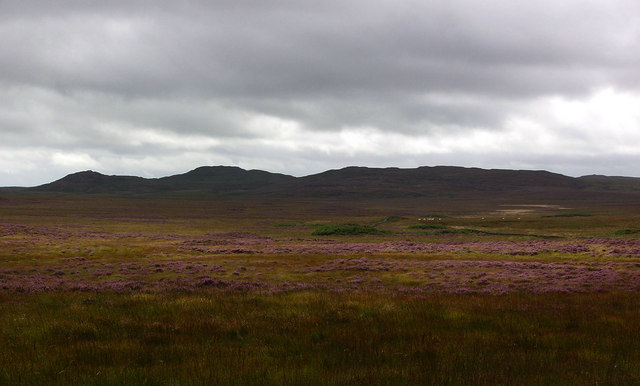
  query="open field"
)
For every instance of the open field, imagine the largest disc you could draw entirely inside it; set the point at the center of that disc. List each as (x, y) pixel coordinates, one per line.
(100, 289)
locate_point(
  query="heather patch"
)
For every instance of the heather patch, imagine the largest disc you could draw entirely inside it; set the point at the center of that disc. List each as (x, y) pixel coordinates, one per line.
(359, 274)
(591, 247)
(145, 291)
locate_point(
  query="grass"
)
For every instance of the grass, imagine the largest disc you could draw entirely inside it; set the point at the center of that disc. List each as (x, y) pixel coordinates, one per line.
(443, 230)
(388, 219)
(624, 232)
(427, 226)
(320, 338)
(331, 310)
(576, 214)
(347, 230)
(464, 231)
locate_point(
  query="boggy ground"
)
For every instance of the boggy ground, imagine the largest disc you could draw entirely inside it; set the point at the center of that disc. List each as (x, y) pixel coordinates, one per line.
(192, 290)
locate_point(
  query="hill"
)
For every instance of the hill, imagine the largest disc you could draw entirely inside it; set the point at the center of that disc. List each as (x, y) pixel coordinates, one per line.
(221, 179)
(429, 181)
(210, 179)
(353, 182)
(94, 182)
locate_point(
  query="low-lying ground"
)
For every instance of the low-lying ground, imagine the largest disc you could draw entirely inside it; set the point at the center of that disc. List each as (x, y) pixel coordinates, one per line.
(108, 290)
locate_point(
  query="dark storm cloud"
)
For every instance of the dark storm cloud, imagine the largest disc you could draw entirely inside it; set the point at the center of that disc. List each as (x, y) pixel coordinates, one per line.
(153, 77)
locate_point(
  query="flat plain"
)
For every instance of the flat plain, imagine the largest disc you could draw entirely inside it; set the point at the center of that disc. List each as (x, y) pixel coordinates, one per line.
(182, 289)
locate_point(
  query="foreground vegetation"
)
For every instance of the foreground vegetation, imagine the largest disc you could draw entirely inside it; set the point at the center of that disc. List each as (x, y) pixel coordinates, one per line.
(319, 338)
(125, 290)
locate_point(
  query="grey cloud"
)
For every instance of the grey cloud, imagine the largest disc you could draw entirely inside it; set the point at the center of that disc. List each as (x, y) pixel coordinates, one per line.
(90, 76)
(399, 112)
(276, 49)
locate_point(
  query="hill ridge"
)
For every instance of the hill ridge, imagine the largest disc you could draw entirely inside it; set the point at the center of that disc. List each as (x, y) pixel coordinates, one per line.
(348, 181)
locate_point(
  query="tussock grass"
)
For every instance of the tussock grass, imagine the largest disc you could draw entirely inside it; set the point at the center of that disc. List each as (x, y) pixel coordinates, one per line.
(319, 338)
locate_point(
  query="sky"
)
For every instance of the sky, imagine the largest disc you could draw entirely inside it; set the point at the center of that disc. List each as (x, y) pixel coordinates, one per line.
(155, 88)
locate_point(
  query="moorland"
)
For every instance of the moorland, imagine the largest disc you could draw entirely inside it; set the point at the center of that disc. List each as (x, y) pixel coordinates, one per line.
(381, 276)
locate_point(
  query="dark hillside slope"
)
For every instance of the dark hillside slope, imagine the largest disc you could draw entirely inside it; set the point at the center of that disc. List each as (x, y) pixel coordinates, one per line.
(222, 179)
(429, 181)
(212, 179)
(94, 182)
(361, 182)
(604, 183)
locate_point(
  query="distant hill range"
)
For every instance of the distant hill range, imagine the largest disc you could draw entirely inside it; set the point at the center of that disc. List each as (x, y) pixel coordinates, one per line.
(438, 181)
(213, 179)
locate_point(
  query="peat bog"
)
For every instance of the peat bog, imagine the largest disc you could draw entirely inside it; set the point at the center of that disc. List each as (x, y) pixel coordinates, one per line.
(198, 288)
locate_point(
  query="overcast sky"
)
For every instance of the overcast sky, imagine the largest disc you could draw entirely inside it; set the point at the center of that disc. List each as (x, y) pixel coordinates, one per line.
(155, 88)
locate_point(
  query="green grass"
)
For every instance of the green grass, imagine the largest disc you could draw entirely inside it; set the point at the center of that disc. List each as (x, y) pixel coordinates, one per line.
(463, 231)
(624, 232)
(469, 231)
(427, 226)
(577, 214)
(388, 219)
(347, 230)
